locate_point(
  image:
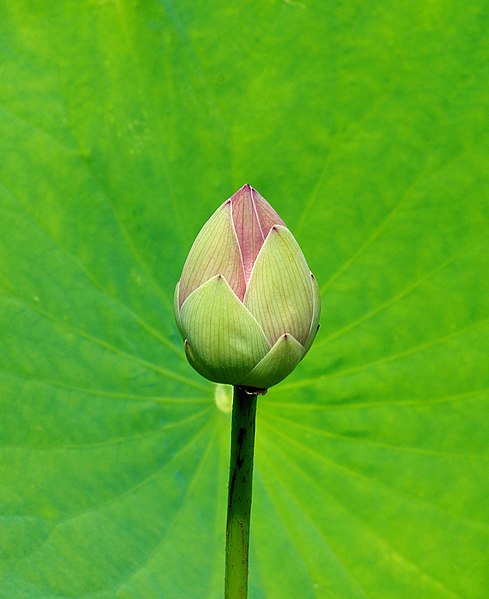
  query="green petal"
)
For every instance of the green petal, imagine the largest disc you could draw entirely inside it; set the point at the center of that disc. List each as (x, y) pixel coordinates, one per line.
(277, 364)
(195, 362)
(214, 252)
(176, 310)
(224, 338)
(279, 292)
(316, 313)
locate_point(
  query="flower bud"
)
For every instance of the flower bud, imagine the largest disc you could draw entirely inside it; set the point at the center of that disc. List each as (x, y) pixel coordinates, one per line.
(246, 305)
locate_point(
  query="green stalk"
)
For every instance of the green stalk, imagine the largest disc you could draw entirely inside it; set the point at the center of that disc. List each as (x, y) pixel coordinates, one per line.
(239, 494)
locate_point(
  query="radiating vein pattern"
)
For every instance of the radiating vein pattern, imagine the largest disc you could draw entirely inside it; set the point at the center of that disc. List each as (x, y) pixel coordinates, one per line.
(122, 125)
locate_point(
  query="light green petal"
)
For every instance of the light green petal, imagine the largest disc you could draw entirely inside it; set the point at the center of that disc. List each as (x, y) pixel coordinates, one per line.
(214, 252)
(223, 336)
(279, 292)
(277, 364)
(176, 310)
(316, 303)
(195, 362)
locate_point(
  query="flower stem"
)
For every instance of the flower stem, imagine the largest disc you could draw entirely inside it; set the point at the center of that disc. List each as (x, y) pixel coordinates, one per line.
(239, 494)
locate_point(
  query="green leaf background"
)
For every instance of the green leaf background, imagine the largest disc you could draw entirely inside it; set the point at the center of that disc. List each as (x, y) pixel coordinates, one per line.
(123, 125)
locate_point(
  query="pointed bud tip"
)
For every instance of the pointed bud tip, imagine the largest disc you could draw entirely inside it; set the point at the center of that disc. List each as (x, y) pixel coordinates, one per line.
(246, 189)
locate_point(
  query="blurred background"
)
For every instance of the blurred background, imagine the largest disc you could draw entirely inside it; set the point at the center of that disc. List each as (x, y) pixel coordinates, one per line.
(123, 125)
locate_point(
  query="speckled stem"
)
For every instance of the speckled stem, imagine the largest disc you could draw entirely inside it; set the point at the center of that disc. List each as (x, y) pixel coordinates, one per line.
(239, 495)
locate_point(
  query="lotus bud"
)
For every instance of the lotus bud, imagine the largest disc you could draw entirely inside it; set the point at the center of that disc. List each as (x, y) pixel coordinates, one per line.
(246, 305)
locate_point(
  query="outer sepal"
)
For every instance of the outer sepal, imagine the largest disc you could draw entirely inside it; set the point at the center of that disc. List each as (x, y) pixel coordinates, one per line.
(215, 251)
(316, 313)
(196, 363)
(223, 336)
(277, 364)
(176, 309)
(279, 292)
